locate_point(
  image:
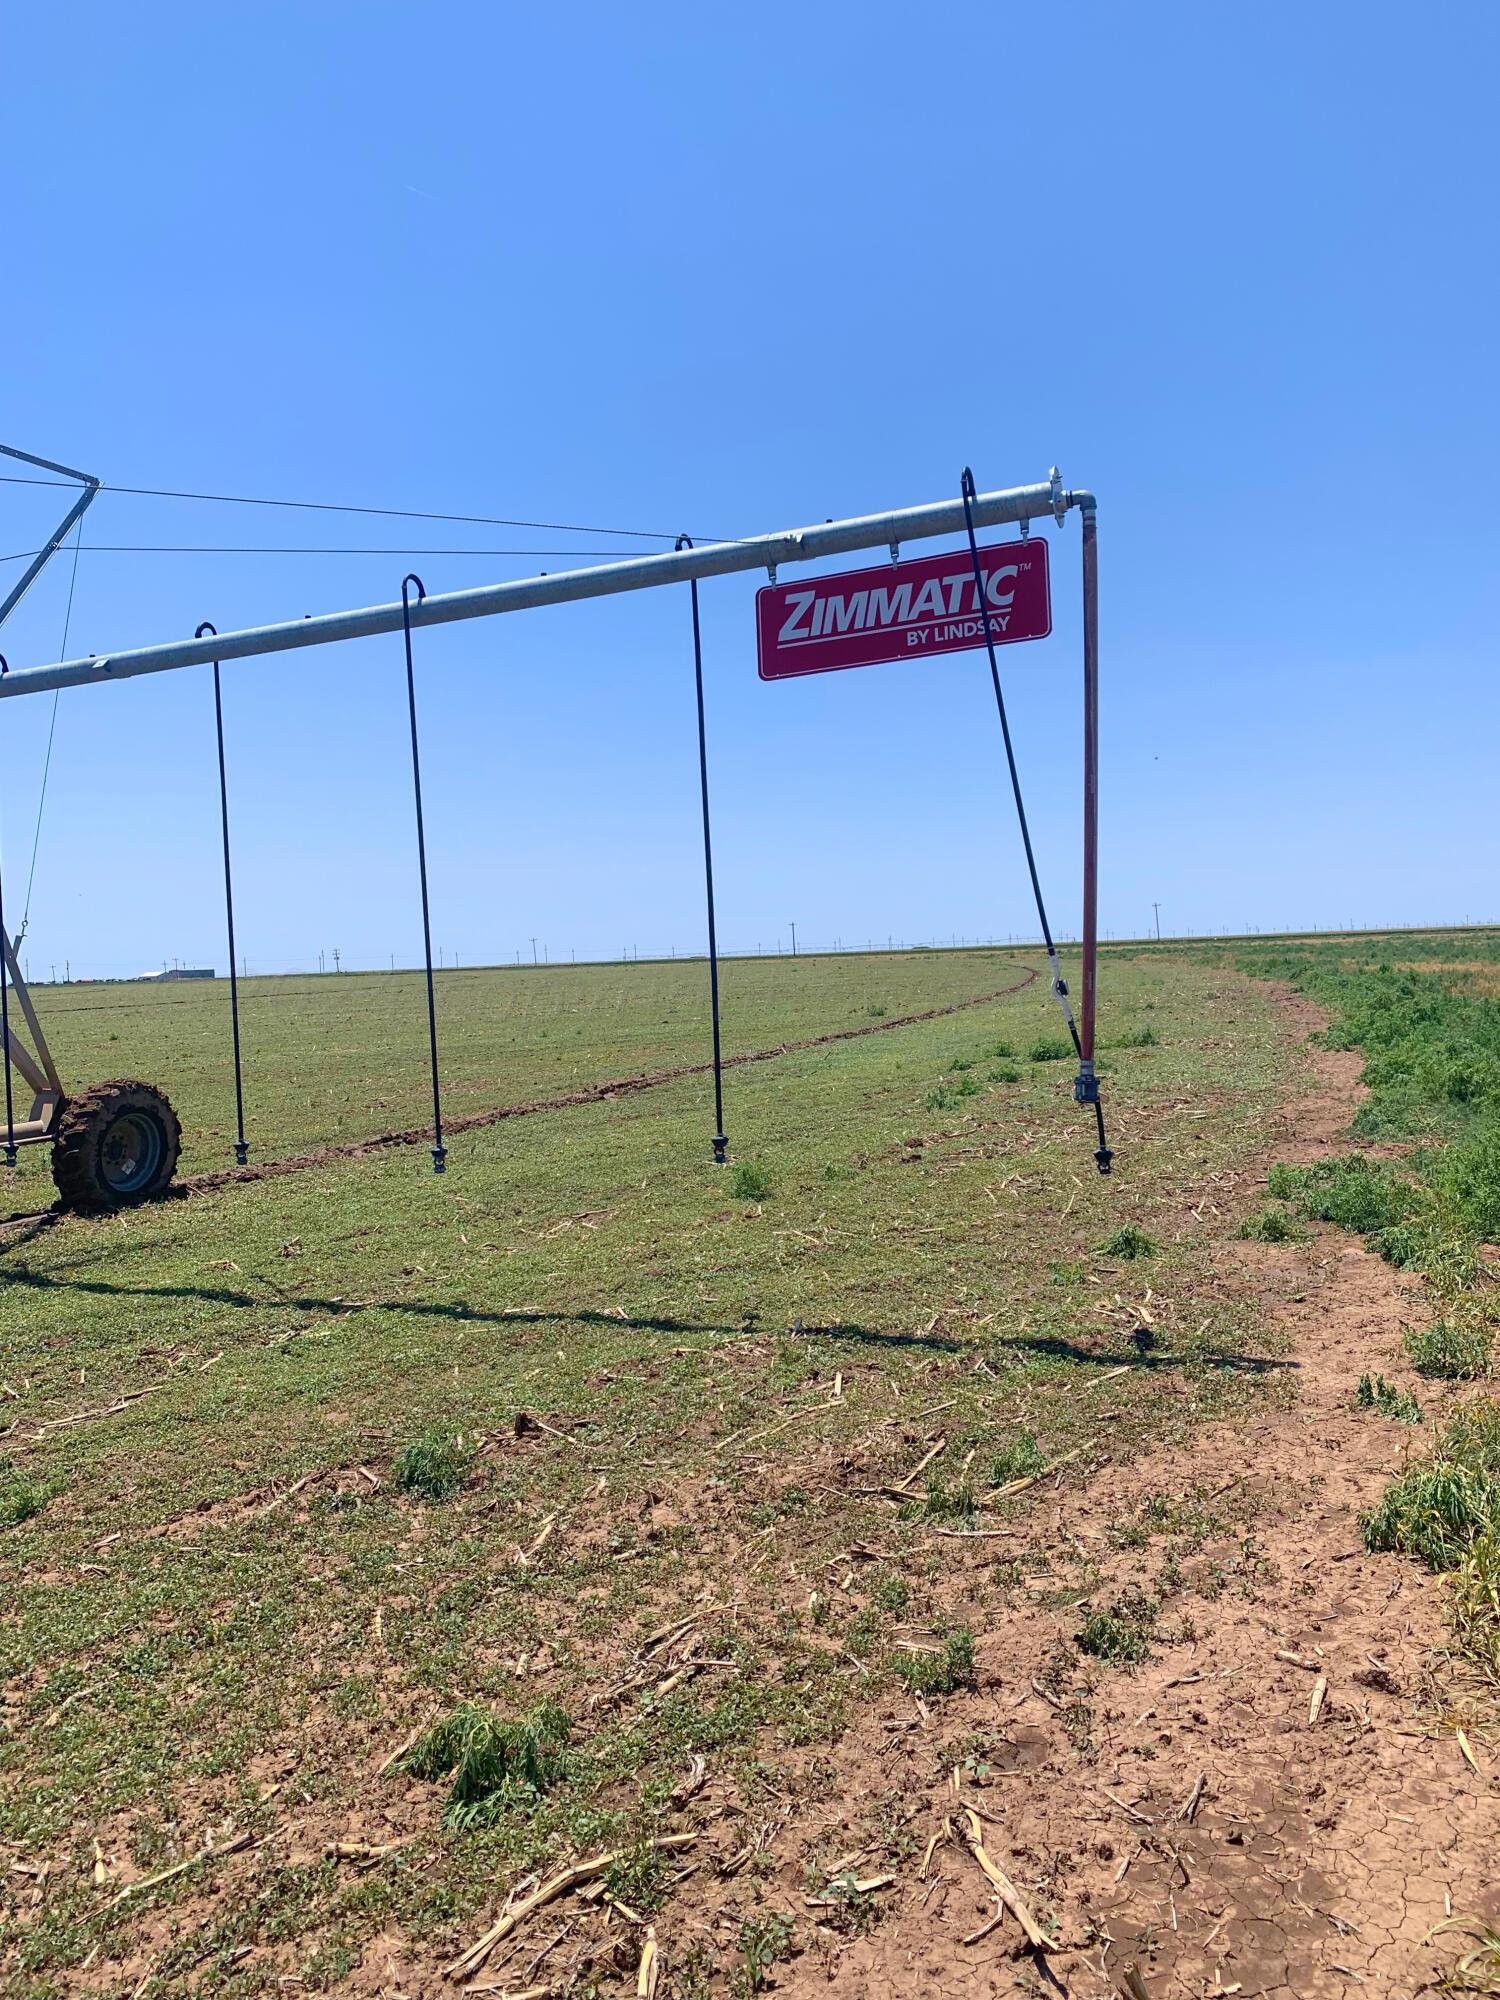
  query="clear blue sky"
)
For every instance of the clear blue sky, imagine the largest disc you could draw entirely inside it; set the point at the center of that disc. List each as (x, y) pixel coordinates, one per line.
(725, 271)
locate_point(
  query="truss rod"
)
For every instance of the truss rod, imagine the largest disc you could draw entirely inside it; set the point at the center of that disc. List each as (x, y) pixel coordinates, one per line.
(59, 535)
(768, 552)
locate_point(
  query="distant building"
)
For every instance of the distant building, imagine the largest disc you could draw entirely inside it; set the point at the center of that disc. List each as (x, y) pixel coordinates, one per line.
(181, 972)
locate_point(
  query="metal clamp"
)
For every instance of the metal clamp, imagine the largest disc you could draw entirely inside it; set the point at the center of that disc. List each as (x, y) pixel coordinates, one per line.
(1059, 498)
(895, 553)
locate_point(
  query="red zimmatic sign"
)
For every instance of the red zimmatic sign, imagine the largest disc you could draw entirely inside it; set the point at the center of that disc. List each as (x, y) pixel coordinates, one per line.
(902, 611)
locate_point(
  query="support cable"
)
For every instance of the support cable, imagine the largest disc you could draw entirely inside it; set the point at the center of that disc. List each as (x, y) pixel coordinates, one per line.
(36, 836)
(1086, 1079)
(439, 1151)
(241, 1149)
(340, 507)
(10, 1109)
(720, 1141)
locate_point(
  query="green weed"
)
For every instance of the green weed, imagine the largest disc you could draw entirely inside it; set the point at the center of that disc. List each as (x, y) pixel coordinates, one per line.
(1375, 1393)
(1020, 1458)
(892, 1593)
(943, 1502)
(1440, 1508)
(494, 1761)
(23, 1498)
(1272, 1225)
(1356, 1193)
(1050, 1048)
(942, 1672)
(1457, 1349)
(1137, 1038)
(1469, 1176)
(1129, 1244)
(1121, 1634)
(763, 1940)
(638, 1879)
(749, 1182)
(434, 1465)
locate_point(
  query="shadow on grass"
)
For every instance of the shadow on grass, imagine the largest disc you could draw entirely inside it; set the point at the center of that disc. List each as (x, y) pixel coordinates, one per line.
(1051, 1347)
(871, 1336)
(223, 1295)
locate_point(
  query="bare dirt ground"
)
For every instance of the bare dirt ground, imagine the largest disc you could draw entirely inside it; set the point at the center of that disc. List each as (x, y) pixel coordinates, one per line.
(1273, 1805)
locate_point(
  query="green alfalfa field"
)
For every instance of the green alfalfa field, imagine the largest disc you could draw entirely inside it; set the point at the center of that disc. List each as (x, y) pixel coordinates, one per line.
(351, 1516)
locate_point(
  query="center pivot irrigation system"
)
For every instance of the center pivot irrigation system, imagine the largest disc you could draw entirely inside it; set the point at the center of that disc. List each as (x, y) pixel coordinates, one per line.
(118, 1142)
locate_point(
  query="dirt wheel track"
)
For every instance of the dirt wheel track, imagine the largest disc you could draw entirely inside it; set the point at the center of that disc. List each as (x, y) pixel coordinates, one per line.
(1320, 1856)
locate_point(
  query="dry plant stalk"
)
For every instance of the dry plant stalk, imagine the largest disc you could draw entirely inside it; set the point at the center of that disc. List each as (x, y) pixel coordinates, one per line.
(560, 1884)
(1009, 1894)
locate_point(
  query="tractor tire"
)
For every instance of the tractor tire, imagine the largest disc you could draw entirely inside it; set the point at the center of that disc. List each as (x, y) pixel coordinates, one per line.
(116, 1145)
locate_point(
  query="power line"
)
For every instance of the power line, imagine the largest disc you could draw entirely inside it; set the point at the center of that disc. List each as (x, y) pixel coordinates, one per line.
(340, 507)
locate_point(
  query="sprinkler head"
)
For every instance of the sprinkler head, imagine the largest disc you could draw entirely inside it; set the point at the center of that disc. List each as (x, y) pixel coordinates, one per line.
(720, 1150)
(1104, 1159)
(241, 1153)
(439, 1159)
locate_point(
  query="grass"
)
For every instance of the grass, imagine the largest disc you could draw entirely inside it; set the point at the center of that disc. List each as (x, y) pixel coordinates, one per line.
(338, 1058)
(245, 1407)
(1049, 1048)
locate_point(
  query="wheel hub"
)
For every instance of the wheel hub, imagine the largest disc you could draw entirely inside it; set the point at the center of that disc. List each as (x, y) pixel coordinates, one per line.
(130, 1152)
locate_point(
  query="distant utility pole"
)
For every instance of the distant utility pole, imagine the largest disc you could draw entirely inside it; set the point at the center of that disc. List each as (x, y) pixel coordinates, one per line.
(321, 966)
(533, 951)
(794, 940)
(336, 958)
(1157, 908)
